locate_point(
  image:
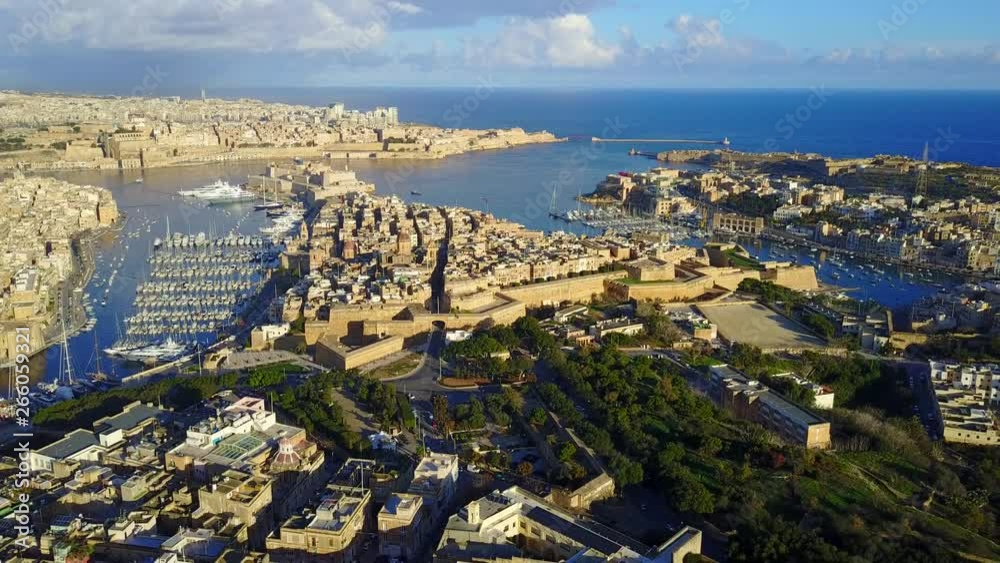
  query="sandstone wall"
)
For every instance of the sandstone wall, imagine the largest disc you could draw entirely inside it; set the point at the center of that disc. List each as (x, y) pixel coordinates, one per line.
(422, 322)
(801, 278)
(347, 320)
(571, 289)
(331, 354)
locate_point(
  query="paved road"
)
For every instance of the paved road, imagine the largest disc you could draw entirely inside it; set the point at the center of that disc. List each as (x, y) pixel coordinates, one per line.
(422, 383)
(919, 376)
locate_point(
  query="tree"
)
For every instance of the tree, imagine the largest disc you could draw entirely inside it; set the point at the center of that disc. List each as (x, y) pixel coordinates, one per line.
(820, 324)
(626, 471)
(525, 469)
(260, 379)
(669, 457)
(710, 446)
(538, 417)
(690, 495)
(442, 414)
(566, 451)
(571, 471)
(514, 399)
(498, 459)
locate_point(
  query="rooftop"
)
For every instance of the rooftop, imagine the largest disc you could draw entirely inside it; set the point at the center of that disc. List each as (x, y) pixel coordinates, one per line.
(71, 444)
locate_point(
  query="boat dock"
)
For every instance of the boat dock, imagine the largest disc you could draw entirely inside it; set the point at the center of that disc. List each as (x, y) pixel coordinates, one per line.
(198, 286)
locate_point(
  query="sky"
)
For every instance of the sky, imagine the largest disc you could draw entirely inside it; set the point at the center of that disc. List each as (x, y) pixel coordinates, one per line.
(169, 46)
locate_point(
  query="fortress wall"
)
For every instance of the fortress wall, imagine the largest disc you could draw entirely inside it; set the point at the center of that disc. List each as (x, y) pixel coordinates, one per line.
(570, 289)
(731, 280)
(503, 314)
(664, 291)
(470, 301)
(801, 278)
(368, 147)
(337, 357)
(407, 328)
(345, 318)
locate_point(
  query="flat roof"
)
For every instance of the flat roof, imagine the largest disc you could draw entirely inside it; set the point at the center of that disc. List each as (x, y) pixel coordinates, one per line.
(132, 416)
(73, 443)
(788, 408)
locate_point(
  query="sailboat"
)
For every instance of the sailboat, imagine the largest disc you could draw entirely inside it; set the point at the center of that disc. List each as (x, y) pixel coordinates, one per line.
(62, 388)
(97, 377)
(267, 205)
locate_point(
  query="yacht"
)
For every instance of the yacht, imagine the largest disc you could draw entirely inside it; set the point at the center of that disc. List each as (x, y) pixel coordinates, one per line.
(220, 192)
(167, 351)
(268, 205)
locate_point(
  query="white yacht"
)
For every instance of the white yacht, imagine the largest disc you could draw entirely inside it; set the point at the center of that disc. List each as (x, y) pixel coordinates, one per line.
(167, 351)
(220, 192)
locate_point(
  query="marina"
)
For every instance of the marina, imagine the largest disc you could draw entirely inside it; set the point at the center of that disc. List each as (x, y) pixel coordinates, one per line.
(198, 288)
(895, 286)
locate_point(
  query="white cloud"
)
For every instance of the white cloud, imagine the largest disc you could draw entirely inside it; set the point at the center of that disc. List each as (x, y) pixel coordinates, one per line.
(911, 55)
(568, 41)
(228, 25)
(404, 7)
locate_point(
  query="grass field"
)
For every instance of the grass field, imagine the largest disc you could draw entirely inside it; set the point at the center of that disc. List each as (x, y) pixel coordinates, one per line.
(398, 368)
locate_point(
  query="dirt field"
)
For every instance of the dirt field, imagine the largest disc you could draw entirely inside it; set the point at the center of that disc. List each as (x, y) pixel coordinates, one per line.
(752, 323)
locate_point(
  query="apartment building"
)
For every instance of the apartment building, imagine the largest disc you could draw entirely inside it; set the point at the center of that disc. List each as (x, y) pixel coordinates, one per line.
(244, 436)
(964, 415)
(738, 224)
(81, 447)
(401, 526)
(244, 497)
(435, 479)
(332, 533)
(516, 526)
(752, 400)
(980, 378)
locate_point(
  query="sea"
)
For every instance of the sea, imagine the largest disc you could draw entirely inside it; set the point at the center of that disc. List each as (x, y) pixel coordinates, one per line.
(526, 183)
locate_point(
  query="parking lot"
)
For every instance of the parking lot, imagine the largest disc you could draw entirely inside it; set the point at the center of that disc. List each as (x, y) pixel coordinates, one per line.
(753, 323)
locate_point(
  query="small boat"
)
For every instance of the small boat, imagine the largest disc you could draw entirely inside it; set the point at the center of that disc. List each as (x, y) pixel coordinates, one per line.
(268, 205)
(415, 192)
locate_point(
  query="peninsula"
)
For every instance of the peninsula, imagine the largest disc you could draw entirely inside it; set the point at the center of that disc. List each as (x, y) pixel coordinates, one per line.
(42, 221)
(55, 132)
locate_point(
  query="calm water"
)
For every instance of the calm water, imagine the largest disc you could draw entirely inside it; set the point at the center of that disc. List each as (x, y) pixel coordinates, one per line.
(520, 184)
(846, 124)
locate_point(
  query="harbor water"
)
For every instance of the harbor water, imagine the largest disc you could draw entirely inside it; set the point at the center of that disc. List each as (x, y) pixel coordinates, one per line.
(515, 184)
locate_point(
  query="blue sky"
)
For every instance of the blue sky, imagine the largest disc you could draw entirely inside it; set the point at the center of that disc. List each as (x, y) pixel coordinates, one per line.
(113, 45)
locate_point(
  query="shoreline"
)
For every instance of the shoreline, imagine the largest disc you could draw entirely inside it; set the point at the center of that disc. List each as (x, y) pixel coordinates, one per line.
(85, 264)
(305, 153)
(878, 258)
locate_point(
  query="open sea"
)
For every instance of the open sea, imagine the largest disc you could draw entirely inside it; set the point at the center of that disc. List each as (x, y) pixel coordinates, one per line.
(520, 184)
